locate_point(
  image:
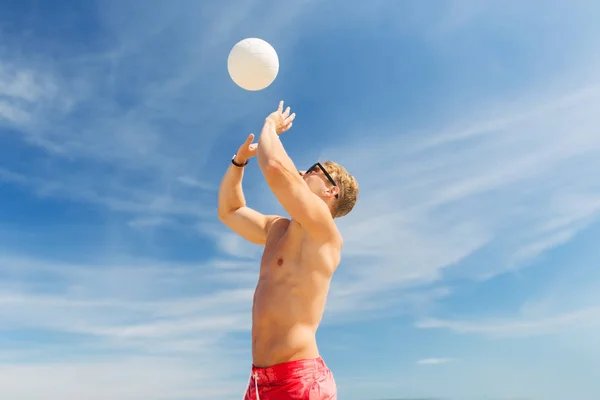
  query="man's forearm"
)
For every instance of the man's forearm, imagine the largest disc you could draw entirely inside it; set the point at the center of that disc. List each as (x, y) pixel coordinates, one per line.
(271, 151)
(231, 195)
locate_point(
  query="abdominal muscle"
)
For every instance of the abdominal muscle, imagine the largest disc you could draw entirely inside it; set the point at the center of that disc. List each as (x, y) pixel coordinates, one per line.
(285, 318)
(290, 296)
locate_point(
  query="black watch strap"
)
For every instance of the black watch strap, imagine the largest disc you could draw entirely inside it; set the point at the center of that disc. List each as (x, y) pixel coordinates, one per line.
(238, 164)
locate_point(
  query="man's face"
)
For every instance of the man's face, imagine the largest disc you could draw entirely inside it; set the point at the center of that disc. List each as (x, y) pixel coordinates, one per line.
(317, 178)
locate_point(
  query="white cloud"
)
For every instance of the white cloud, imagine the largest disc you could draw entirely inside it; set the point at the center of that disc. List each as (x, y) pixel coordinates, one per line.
(13, 114)
(20, 85)
(447, 196)
(434, 361)
(230, 243)
(148, 222)
(130, 378)
(195, 183)
(139, 126)
(520, 327)
(120, 326)
(509, 188)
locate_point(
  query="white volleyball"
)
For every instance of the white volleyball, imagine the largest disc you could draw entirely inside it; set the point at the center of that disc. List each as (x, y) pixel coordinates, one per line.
(253, 64)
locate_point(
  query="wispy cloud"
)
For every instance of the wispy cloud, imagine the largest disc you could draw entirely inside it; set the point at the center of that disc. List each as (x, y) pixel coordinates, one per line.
(507, 190)
(110, 319)
(132, 126)
(195, 183)
(434, 361)
(126, 378)
(229, 243)
(149, 222)
(434, 215)
(117, 129)
(139, 126)
(520, 327)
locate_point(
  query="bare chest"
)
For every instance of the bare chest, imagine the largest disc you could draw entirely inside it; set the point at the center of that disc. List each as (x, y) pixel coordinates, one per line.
(283, 249)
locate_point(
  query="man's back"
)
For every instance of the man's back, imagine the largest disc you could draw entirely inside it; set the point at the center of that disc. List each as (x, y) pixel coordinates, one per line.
(291, 293)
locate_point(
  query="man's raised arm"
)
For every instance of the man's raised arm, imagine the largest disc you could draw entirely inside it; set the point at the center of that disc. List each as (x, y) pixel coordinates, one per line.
(233, 212)
(283, 178)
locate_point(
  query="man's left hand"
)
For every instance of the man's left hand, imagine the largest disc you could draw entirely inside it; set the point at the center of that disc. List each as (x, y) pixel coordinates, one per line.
(282, 121)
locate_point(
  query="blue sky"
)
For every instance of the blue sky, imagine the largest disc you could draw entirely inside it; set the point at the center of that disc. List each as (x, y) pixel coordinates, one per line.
(470, 266)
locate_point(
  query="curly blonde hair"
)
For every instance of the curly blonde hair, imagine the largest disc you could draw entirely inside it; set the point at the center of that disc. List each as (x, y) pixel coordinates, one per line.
(347, 185)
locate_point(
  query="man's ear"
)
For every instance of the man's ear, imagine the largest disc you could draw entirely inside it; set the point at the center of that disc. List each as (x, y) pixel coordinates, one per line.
(334, 190)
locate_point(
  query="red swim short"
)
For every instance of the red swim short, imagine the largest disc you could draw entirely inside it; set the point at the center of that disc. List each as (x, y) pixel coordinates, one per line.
(295, 380)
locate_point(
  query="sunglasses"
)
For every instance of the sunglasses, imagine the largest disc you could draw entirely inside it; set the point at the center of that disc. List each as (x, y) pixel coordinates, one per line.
(313, 168)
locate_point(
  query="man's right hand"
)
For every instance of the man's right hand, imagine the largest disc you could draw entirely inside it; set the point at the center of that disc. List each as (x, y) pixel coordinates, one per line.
(246, 150)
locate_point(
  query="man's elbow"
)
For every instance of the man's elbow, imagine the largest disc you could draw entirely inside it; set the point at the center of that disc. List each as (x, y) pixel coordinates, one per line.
(224, 214)
(222, 210)
(274, 171)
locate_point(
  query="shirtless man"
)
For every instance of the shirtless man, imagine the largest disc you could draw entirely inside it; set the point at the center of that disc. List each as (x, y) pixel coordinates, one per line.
(299, 259)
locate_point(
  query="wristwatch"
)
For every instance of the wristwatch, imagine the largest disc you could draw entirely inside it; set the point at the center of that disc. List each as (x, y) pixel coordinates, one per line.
(237, 164)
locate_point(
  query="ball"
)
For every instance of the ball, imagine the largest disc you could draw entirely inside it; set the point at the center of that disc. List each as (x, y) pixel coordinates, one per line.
(253, 64)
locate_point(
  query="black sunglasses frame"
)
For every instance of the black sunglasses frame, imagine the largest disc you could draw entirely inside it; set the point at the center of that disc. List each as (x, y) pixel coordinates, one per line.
(329, 178)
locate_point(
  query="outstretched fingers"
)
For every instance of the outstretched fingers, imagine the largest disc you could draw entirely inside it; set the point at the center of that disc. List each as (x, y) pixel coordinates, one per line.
(284, 118)
(288, 121)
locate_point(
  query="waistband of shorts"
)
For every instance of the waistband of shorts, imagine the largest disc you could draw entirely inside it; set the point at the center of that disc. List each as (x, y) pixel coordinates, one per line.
(288, 369)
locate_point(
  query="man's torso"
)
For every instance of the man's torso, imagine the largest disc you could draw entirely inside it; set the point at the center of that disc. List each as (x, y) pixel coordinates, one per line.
(290, 296)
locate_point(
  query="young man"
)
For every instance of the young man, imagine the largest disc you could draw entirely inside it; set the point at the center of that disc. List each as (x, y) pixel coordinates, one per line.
(299, 259)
